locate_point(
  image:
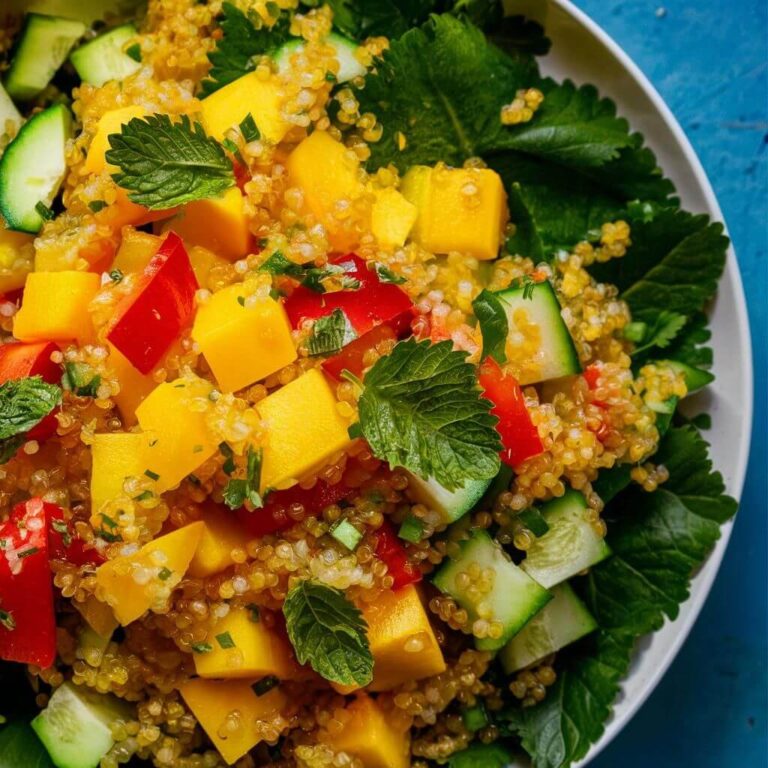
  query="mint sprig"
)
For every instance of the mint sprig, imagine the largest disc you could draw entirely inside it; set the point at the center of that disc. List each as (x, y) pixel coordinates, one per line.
(494, 325)
(330, 334)
(24, 403)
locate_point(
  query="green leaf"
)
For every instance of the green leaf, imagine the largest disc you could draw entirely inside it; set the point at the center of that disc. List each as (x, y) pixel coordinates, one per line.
(164, 164)
(687, 345)
(519, 34)
(328, 632)
(494, 325)
(81, 379)
(525, 239)
(278, 264)
(330, 334)
(658, 540)
(19, 746)
(9, 446)
(24, 403)
(244, 39)
(422, 409)
(666, 327)
(481, 756)
(372, 18)
(239, 490)
(386, 275)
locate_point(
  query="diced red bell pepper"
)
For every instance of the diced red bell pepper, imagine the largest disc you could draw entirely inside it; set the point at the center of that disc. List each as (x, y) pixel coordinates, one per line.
(351, 357)
(391, 550)
(65, 544)
(518, 433)
(372, 304)
(27, 619)
(152, 317)
(273, 516)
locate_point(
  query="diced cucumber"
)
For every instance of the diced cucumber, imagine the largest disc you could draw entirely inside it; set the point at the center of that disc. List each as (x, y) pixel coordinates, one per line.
(349, 66)
(91, 645)
(695, 378)
(75, 727)
(451, 505)
(33, 167)
(102, 59)
(513, 599)
(562, 621)
(43, 45)
(10, 118)
(570, 545)
(556, 356)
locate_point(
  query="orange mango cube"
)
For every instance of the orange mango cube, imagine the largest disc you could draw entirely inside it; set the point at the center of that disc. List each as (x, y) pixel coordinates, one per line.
(17, 254)
(136, 250)
(392, 218)
(115, 456)
(134, 385)
(222, 533)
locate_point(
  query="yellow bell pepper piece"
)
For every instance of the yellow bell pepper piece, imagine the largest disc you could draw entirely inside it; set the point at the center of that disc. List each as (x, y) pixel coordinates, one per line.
(135, 583)
(178, 439)
(110, 122)
(212, 700)
(55, 307)
(328, 175)
(243, 343)
(115, 456)
(257, 650)
(392, 218)
(203, 261)
(370, 736)
(459, 209)
(222, 533)
(218, 223)
(134, 385)
(303, 430)
(227, 107)
(136, 250)
(17, 254)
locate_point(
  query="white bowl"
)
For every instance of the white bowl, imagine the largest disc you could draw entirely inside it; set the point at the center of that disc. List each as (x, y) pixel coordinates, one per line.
(584, 53)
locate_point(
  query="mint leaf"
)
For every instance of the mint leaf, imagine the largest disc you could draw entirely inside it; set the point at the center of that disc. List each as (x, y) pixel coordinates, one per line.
(372, 18)
(330, 334)
(164, 164)
(665, 328)
(421, 409)
(515, 33)
(494, 325)
(80, 379)
(328, 632)
(386, 275)
(19, 746)
(687, 347)
(239, 490)
(481, 756)
(24, 403)
(525, 239)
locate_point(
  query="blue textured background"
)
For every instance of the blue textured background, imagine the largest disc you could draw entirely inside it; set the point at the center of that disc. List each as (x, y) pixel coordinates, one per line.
(709, 60)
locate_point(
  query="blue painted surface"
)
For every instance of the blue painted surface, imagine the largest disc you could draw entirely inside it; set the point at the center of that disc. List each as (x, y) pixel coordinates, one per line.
(709, 60)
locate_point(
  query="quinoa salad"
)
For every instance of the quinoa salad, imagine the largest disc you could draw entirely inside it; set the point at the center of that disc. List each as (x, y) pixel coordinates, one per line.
(340, 361)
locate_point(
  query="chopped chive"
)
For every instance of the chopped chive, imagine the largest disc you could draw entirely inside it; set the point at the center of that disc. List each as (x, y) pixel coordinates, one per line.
(194, 479)
(225, 641)
(107, 536)
(249, 129)
(116, 275)
(7, 620)
(197, 449)
(151, 475)
(28, 552)
(202, 647)
(254, 612)
(355, 430)
(165, 574)
(108, 520)
(346, 534)
(134, 52)
(3, 543)
(411, 529)
(43, 211)
(97, 205)
(330, 77)
(265, 685)
(143, 496)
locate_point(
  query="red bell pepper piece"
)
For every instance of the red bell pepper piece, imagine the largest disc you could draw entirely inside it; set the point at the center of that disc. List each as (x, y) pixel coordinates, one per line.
(273, 516)
(351, 357)
(65, 544)
(518, 433)
(152, 317)
(372, 304)
(27, 619)
(391, 550)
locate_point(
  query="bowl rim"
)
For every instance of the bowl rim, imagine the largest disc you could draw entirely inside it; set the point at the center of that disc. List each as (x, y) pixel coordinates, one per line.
(706, 575)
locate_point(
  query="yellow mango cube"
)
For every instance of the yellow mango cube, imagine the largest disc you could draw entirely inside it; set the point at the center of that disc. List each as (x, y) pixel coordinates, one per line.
(392, 218)
(177, 436)
(212, 700)
(304, 429)
(133, 584)
(370, 736)
(328, 175)
(17, 255)
(218, 223)
(459, 209)
(243, 342)
(203, 261)
(99, 615)
(55, 307)
(222, 533)
(255, 651)
(136, 250)
(227, 107)
(134, 385)
(115, 456)
(109, 122)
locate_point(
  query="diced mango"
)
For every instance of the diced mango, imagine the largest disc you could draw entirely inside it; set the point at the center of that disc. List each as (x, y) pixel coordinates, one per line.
(370, 736)
(179, 440)
(99, 615)
(227, 107)
(115, 456)
(136, 250)
(392, 218)
(17, 254)
(134, 385)
(328, 175)
(55, 307)
(243, 342)
(257, 652)
(203, 261)
(304, 429)
(222, 534)
(218, 223)
(110, 122)
(135, 583)
(123, 212)
(459, 209)
(212, 700)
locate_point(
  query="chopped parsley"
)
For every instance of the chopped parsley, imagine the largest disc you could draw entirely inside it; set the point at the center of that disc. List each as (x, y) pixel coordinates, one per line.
(386, 275)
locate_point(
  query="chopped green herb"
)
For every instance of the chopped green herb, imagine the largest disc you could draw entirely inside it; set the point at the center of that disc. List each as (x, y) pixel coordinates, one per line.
(164, 574)
(330, 333)
(194, 479)
(61, 527)
(494, 325)
(254, 612)
(532, 519)
(7, 621)
(225, 641)
(386, 275)
(24, 403)
(355, 430)
(151, 475)
(277, 264)
(249, 129)
(346, 534)
(238, 491)
(28, 552)
(116, 275)
(661, 333)
(330, 77)
(202, 647)
(197, 449)
(108, 521)
(241, 300)
(134, 52)
(97, 205)
(474, 718)
(80, 379)
(44, 211)
(229, 465)
(635, 332)
(265, 685)
(411, 529)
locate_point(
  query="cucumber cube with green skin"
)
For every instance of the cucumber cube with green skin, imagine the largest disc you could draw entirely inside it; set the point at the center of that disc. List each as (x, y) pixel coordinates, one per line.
(513, 599)
(556, 356)
(561, 622)
(695, 378)
(102, 59)
(569, 546)
(450, 505)
(349, 66)
(10, 117)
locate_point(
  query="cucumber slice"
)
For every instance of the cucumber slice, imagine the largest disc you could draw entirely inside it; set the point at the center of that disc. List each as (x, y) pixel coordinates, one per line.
(75, 727)
(556, 356)
(102, 59)
(43, 45)
(570, 545)
(451, 505)
(695, 378)
(33, 167)
(349, 66)
(86, 11)
(512, 600)
(561, 622)
(10, 118)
